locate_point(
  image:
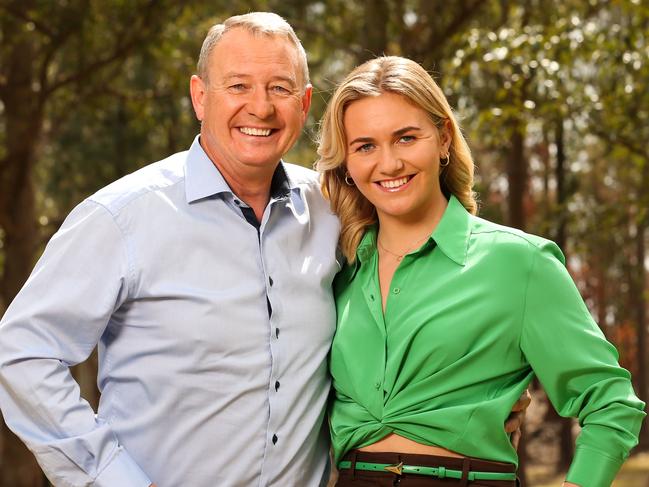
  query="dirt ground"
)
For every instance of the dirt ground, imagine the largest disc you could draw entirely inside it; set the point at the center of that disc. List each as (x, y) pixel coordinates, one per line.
(634, 473)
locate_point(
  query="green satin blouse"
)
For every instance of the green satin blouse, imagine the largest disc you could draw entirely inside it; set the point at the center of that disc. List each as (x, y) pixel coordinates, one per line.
(472, 315)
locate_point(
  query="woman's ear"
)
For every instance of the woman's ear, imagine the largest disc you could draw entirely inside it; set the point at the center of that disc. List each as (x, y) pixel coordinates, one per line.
(446, 135)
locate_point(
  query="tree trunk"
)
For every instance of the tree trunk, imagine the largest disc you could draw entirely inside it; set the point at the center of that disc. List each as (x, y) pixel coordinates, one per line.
(23, 113)
(522, 457)
(23, 121)
(641, 321)
(517, 176)
(517, 180)
(565, 431)
(375, 34)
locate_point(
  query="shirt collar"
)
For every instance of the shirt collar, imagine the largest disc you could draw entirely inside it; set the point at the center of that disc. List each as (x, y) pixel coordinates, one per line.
(451, 234)
(203, 179)
(453, 231)
(367, 246)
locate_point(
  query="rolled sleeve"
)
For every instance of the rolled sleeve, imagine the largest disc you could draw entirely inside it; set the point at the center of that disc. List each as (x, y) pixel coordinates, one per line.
(56, 321)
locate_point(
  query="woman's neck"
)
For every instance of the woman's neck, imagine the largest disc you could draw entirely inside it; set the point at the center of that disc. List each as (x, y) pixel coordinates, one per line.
(399, 235)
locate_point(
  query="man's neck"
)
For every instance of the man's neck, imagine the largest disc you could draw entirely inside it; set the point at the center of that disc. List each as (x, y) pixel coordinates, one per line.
(250, 185)
(254, 192)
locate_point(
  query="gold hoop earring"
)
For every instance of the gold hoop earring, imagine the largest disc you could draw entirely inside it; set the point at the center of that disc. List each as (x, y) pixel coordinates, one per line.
(443, 161)
(348, 180)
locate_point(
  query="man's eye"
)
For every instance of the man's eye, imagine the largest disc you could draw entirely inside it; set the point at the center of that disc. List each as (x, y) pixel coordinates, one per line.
(237, 87)
(282, 90)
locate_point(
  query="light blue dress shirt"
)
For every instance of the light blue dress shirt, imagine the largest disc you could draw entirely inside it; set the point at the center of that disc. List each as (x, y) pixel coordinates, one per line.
(199, 386)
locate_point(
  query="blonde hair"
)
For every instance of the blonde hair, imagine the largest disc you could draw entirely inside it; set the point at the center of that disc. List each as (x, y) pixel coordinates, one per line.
(257, 23)
(386, 74)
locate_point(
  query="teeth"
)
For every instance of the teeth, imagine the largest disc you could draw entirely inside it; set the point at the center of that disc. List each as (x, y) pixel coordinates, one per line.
(254, 131)
(394, 183)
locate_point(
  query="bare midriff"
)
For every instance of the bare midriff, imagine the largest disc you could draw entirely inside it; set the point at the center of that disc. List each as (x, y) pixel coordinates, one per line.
(399, 444)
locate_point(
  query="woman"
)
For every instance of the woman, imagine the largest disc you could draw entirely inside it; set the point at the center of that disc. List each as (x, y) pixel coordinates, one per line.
(443, 318)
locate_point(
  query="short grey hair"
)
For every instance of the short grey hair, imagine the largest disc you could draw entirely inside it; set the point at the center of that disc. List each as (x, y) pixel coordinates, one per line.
(257, 23)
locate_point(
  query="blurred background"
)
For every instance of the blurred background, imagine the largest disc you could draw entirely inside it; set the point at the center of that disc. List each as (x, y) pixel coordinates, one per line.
(553, 96)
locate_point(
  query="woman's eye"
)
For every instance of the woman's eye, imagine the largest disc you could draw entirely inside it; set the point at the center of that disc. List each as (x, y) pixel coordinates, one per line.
(407, 138)
(365, 148)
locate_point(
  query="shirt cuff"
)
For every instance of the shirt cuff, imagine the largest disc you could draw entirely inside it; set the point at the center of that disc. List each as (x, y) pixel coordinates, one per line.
(123, 471)
(591, 468)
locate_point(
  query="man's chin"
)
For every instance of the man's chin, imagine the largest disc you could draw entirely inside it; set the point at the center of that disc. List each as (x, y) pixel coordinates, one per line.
(261, 162)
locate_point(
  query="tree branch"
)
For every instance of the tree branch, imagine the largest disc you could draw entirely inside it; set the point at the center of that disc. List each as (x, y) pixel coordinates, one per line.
(57, 42)
(141, 31)
(432, 46)
(628, 144)
(19, 14)
(332, 40)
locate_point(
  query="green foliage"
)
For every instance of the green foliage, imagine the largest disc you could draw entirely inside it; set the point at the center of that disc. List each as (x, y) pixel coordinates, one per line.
(113, 81)
(113, 77)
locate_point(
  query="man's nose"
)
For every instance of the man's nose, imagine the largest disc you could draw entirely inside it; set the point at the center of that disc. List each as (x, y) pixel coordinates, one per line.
(261, 104)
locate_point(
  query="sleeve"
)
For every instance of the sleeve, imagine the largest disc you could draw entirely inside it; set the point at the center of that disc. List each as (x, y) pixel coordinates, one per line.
(579, 371)
(55, 321)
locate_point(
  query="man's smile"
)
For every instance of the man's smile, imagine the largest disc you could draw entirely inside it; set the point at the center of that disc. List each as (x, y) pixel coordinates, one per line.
(257, 132)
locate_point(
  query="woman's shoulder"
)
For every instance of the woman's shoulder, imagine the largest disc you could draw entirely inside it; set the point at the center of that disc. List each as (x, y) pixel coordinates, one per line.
(501, 238)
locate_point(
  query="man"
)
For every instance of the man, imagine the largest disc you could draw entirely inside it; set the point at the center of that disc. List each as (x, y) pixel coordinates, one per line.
(205, 281)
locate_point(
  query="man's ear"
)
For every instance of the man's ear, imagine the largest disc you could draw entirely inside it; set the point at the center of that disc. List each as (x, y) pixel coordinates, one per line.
(197, 90)
(306, 101)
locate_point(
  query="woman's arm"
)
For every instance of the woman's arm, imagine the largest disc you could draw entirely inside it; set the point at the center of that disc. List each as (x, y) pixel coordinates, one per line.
(579, 371)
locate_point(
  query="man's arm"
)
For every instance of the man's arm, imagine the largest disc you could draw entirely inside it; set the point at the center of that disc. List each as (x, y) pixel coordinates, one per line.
(55, 322)
(515, 422)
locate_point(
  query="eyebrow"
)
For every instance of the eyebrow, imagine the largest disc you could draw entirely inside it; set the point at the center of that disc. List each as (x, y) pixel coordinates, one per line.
(396, 133)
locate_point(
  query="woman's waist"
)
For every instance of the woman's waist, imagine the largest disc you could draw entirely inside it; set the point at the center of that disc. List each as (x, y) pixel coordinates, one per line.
(434, 433)
(397, 443)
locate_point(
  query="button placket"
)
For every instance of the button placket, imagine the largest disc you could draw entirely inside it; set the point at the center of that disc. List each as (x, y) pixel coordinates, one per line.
(275, 403)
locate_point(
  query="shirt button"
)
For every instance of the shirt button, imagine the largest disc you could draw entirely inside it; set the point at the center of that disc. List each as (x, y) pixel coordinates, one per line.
(396, 290)
(276, 385)
(275, 439)
(372, 297)
(377, 385)
(237, 202)
(276, 332)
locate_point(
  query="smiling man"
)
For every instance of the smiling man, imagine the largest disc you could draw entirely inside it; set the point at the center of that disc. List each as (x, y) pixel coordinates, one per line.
(205, 281)
(252, 98)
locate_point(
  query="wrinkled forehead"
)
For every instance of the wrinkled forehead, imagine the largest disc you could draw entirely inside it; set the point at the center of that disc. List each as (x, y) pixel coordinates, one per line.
(249, 52)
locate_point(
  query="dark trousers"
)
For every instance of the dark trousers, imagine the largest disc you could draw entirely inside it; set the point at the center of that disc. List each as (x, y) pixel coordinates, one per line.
(352, 477)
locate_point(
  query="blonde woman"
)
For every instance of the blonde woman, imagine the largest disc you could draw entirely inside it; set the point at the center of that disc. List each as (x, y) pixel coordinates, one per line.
(443, 318)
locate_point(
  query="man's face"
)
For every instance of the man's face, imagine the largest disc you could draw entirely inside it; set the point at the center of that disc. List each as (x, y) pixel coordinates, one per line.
(253, 105)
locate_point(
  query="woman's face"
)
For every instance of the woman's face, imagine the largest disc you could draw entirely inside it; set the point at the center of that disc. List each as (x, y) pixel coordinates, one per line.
(393, 152)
